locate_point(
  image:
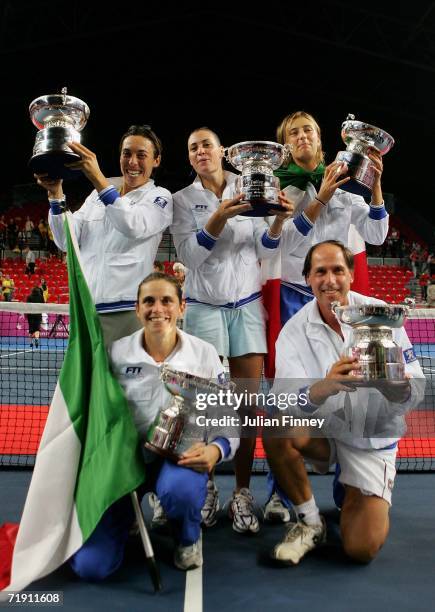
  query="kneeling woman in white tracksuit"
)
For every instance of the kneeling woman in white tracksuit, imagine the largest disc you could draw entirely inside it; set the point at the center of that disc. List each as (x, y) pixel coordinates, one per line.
(181, 487)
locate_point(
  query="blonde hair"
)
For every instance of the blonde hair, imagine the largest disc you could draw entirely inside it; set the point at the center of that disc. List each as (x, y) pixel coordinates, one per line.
(281, 131)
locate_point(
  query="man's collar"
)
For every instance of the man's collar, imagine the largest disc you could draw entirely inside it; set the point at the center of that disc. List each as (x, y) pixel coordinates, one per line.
(314, 315)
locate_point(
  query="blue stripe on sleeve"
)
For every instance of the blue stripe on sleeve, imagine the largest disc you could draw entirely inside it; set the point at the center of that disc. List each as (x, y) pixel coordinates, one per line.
(306, 407)
(205, 239)
(224, 446)
(56, 206)
(377, 212)
(268, 242)
(108, 195)
(303, 224)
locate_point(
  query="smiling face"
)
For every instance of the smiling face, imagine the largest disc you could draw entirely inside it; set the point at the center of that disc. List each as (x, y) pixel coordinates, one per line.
(158, 308)
(137, 161)
(330, 276)
(205, 153)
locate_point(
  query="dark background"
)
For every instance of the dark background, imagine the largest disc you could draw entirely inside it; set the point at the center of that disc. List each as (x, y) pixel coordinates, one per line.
(232, 67)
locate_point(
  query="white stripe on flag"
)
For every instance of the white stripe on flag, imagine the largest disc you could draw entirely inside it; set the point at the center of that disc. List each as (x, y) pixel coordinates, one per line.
(49, 531)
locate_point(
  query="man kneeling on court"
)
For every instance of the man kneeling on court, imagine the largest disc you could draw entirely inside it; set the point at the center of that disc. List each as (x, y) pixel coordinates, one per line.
(311, 346)
(181, 487)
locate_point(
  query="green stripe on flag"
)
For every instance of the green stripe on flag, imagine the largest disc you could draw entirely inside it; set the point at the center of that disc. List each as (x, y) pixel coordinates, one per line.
(110, 464)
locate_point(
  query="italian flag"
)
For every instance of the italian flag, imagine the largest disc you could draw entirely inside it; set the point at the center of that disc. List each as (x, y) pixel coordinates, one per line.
(89, 455)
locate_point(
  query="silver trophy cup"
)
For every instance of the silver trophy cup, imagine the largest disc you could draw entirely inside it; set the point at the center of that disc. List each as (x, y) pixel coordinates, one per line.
(257, 160)
(372, 339)
(174, 429)
(59, 119)
(358, 138)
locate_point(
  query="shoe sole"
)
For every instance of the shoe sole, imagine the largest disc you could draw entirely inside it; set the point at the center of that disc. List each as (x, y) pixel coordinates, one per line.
(187, 569)
(272, 517)
(320, 543)
(286, 562)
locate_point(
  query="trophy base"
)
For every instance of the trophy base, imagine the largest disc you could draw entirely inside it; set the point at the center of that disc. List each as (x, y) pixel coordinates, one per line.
(53, 164)
(360, 171)
(380, 372)
(162, 452)
(262, 208)
(370, 383)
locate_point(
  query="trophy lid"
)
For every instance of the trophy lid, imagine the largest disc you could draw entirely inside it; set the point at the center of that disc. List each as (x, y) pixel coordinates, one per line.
(266, 151)
(390, 315)
(368, 134)
(59, 107)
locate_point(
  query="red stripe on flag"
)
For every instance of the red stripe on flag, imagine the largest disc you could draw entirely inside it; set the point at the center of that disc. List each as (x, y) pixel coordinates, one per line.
(361, 274)
(272, 300)
(8, 536)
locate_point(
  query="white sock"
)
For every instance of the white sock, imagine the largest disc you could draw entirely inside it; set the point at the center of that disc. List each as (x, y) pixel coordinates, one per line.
(308, 512)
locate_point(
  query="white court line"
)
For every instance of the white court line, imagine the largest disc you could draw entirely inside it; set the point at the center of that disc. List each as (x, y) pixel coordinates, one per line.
(31, 369)
(19, 353)
(193, 592)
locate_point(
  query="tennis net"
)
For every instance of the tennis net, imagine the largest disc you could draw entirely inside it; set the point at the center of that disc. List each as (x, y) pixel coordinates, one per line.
(28, 376)
(29, 369)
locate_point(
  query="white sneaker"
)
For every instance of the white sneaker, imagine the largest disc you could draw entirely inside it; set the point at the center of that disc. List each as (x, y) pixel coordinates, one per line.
(298, 540)
(159, 516)
(189, 557)
(211, 505)
(241, 510)
(275, 511)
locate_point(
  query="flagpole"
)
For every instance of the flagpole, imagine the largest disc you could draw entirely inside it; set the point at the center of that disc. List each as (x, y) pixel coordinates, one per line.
(147, 546)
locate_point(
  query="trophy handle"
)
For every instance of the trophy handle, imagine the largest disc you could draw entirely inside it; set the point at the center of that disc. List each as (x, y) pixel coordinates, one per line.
(334, 306)
(286, 152)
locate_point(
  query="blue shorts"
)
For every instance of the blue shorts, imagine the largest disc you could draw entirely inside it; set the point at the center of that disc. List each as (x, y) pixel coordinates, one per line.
(232, 331)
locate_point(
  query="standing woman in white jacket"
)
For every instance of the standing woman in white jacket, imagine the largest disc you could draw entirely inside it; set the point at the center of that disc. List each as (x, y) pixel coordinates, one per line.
(119, 226)
(222, 250)
(323, 211)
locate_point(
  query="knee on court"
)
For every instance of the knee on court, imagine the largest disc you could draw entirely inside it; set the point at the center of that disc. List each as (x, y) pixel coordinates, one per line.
(362, 549)
(92, 566)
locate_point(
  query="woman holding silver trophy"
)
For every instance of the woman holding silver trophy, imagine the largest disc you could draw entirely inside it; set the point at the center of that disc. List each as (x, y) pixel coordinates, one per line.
(119, 226)
(325, 206)
(182, 485)
(221, 249)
